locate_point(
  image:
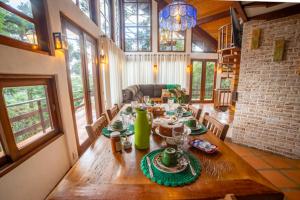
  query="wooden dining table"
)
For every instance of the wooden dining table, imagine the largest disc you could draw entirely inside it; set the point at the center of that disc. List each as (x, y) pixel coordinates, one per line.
(101, 174)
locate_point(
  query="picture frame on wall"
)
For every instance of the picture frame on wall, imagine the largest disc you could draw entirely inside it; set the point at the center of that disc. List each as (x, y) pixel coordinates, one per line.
(278, 50)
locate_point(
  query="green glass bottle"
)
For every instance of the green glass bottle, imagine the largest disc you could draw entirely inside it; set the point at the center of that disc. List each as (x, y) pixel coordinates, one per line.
(142, 129)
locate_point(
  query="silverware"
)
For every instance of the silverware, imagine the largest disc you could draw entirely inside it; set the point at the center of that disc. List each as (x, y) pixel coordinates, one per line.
(149, 166)
(190, 165)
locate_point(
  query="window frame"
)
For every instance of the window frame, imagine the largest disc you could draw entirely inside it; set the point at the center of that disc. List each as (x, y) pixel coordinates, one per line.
(115, 25)
(13, 154)
(92, 13)
(110, 21)
(224, 78)
(158, 42)
(137, 26)
(39, 18)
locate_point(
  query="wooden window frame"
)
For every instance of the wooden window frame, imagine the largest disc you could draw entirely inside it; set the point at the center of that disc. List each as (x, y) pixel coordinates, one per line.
(222, 78)
(137, 26)
(14, 155)
(203, 80)
(110, 18)
(41, 28)
(92, 11)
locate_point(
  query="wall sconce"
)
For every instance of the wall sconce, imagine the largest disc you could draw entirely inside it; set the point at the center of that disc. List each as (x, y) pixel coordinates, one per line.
(102, 56)
(188, 68)
(155, 68)
(59, 42)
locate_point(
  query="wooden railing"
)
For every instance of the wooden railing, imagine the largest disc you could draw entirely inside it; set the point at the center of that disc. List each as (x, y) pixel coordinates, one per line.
(43, 122)
(225, 40)
(223, 98)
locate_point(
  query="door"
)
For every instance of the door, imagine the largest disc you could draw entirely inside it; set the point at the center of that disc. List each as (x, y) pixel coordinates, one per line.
(203, 80)
(81, 58)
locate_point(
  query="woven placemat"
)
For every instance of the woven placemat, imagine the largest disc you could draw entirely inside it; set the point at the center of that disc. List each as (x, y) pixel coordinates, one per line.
(128, 132)
(185, 114)
(201, 131)
(171, 179)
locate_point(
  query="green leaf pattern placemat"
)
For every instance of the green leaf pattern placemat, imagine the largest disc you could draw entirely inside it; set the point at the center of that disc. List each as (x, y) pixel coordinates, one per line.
(128, 132)
(169, 179)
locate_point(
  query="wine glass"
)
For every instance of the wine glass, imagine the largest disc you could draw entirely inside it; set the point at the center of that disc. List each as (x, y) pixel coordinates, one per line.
(134, 104)
(146, 99)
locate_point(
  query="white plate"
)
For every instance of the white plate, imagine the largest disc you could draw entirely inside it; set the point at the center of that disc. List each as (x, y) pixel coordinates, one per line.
(181, 165)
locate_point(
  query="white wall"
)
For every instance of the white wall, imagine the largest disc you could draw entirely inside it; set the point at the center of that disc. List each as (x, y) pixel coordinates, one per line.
(37, 176)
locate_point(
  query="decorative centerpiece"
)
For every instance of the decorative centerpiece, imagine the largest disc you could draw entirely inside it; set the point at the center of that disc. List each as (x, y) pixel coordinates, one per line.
(166, 129)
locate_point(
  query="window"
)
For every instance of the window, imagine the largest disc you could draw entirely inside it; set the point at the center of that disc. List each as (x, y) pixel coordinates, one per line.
(171, 41)
(197, 42)
(22, 24)
(137, 17)
(225, 83)
(30, 114)
(85, 7)
(105, 17)
(117, 23)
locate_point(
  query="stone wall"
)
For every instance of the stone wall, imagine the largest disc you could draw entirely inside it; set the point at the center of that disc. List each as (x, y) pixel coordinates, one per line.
(268, 108)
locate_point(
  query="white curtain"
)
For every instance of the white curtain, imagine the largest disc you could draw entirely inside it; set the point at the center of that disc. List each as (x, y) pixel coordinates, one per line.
(138, 69)
(172, 69)
(116, 62)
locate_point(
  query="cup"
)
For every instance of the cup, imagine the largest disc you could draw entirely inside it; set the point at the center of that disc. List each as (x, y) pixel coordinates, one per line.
(170, 157)
(192, 123)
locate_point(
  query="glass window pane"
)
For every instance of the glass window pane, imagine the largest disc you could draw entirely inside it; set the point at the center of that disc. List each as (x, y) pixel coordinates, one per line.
(117, 20)
(102, 7)
(179, 46)
(144, 20)
(209, 80)
(23, 6)
(225, 83)
(74, 55)
(130, 10)
(144, 33)
(130, 45)
(144, 45)
(28, 111)
(16, 27)
(130, 33)
(84, 6)
(144, 9)
(196, 80)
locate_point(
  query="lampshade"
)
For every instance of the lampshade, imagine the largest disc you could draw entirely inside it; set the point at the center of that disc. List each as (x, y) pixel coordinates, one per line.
(178, 16)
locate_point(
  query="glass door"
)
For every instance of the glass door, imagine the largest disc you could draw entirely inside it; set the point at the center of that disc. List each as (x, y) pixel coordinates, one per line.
(81, 59)
(203, 80)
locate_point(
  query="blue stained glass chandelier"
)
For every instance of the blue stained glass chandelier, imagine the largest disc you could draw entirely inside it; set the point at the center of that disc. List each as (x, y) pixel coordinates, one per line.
(178, 16)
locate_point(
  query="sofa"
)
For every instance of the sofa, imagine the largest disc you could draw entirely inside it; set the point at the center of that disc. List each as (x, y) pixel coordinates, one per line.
(137, 92)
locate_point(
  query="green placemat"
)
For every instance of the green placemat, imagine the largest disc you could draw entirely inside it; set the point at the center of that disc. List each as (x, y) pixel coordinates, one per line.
(128, 132)
(185, 114)
(168, 179)
(200, 131)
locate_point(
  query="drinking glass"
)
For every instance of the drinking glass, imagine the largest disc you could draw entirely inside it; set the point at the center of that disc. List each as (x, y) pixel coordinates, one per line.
(146, 99)
(134, 104)
(170, 103)
(179, 138)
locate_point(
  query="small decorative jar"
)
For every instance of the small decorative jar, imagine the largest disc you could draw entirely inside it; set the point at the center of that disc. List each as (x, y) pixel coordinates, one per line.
(116, 144)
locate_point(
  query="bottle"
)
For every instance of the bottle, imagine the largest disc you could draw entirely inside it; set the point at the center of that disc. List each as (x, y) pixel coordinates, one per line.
(115, 139)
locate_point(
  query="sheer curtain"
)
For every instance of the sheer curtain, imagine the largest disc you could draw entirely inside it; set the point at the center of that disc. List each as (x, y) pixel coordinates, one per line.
(138, 69)
(113, 79)
(172, 69)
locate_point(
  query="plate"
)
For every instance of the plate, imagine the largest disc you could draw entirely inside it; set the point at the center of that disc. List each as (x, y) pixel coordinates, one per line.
(204, 145)
(181, 166)
(198, 127)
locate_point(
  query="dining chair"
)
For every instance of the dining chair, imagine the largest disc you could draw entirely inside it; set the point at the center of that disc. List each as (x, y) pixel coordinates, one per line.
(218, 128)
(94, 130)
(113, 111)
(196, 111)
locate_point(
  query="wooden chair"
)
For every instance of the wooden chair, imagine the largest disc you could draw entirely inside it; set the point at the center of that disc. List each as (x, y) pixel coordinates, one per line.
(94, 130)
(113, 111)
(218, 128)
(196, 111)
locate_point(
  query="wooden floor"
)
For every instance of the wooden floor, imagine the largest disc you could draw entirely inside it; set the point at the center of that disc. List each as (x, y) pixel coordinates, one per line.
(283, 172)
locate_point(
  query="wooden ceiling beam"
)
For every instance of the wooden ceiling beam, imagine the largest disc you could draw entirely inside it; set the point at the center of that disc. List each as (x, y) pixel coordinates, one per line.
(237, 5)
(210, 18)
(292, 10)
(261, 4)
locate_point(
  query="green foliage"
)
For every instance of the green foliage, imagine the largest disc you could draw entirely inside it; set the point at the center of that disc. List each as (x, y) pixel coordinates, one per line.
(180, 95)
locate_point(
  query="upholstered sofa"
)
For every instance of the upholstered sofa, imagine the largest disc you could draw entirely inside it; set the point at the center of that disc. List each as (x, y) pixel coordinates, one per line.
(136, 92)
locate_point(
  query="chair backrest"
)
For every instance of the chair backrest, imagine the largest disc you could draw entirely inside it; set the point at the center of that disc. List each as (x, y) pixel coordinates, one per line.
(94, 130)
(196, 111)
(218, 128)
(113, 111)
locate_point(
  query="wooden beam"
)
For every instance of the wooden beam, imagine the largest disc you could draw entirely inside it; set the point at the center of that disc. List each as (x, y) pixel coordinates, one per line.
(210, 18)
(261, 4)
(292, 10)
(211, 44)
(237, 5)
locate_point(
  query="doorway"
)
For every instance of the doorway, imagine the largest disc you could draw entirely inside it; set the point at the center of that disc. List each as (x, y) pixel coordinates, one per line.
(81, 58)
(203, 81)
